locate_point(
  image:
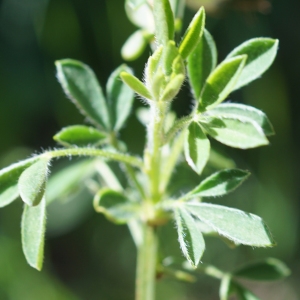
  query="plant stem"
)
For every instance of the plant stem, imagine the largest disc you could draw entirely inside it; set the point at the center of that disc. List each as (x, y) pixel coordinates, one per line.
(155, 135)
(132, 160)
(146, 264)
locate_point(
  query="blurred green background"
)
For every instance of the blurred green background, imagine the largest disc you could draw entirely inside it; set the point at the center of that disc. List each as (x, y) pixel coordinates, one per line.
(86, 256)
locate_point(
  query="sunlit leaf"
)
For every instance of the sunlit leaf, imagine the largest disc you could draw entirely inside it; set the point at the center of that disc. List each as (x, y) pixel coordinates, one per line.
(134, 4)
(152, 66)
(32, 182)
(135, 84)
(9, 177)
(193, 34)
(119, 98)
(236, 225)
(201, 62)
(134, 46)
(190, 237)
(245, 111)
(197, 147)
(221, 82)
(79, 135)
(81, 86)
(140, 14)
(172, 88)
(178, 7)
(261, 53)
(220, 183)
(164, 21)
(115, 206)
(33, 233)
(170, 53)
(267, 269)
(237, 132)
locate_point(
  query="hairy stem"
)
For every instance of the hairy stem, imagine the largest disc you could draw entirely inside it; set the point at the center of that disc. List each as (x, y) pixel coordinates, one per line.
(155, 139)
(132, 160)
(146, 265)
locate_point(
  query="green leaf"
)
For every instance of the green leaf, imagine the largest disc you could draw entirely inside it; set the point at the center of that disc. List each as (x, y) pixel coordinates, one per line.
(115, 206)
(169, 54)
(164, 21)
(119, 98)
(134, 46)
(201, 62)
(69, 179)
(196, 148)
(9, 177)
(245, 111)
(225, 287)
(134, 4)
(135, 84)
(237, 132)
(79, 135)
(32, 182)
(172, 88)
(152, 66)
(261, 53)
(236, 225)
(190, 238)
(243, 293)
(140, 14)
(220, 183)
(33, 233)
(267, 269)
(193, 34)
(81, 86)
(178, 7)
(221, 82)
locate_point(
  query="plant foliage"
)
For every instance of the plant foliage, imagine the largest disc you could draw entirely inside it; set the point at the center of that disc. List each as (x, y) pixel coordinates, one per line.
(146, 201)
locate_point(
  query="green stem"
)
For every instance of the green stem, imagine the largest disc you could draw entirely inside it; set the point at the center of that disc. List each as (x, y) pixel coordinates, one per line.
(156, 135)
(134, 161)
(211, 271)
(179, 125)
(146, 265)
